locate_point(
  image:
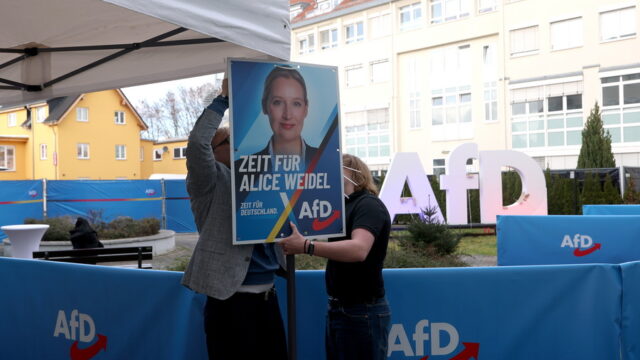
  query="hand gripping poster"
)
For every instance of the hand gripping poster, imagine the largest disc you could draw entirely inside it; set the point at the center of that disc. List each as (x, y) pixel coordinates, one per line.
(287, 165)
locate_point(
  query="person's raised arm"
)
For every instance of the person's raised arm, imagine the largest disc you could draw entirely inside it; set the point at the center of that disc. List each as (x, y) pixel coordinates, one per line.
(201, 163)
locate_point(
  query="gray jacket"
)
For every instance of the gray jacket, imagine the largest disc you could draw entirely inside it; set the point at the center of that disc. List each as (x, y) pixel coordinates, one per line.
(217, 267)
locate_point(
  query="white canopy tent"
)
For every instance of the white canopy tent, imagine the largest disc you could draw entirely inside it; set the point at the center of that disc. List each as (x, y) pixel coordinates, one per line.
(62, 47)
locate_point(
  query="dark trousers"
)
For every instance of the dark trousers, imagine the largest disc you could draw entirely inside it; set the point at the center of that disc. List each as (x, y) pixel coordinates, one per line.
(245, 326)
(358, 332)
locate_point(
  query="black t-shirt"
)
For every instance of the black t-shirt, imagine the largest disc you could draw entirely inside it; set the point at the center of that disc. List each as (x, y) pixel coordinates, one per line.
(359, 282)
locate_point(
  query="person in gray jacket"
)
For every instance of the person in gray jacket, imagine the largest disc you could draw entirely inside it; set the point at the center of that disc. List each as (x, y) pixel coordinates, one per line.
(242, 318)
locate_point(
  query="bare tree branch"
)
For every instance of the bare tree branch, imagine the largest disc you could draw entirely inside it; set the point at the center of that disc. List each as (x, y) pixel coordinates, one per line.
(173, 115)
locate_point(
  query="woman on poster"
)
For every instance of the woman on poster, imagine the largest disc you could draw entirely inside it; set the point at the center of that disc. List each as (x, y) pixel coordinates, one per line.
(285, 102)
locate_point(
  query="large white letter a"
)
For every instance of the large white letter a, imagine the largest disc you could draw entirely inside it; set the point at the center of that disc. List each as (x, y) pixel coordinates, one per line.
(407, 167)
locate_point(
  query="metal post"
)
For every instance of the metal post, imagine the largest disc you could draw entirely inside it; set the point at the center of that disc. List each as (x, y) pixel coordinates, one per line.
(44, 198)
(291, 306)
(164, 204)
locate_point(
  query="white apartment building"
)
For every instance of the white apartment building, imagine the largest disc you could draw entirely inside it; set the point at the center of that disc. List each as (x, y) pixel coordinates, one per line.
(428, 75)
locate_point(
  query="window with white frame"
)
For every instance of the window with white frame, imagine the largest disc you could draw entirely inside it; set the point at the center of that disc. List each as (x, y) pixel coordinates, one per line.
(180, 152)
(324, 6)
(355, 75)
(490, 82)
(451, 85)
(12, 119)
(82, 151)
(354, 32)
(490, 101)
(306, 44)
(410, 16)
(448, 10)
(328, 38)
(118, 117)
(121, 152)
(82, 114)
(380, 25)
(547, 116)
(566, 34)
(413, 88)
(524, 41)
(41, 114)
(380, 71)
(621, 107)
(485, 6)
(618, 24)
(43, 151)
(157, 154)
(8, 157)
(367, 134)
(438, 167)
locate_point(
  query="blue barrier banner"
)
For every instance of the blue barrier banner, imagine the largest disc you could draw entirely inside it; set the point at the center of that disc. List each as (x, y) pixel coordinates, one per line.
(611, 209)
(567, 239)
(178, 207)
(112, 198)
(631, 311)
(528, 312)
(19, 200)
(62, 311)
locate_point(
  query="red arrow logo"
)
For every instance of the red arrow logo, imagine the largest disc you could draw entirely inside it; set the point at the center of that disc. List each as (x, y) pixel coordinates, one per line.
(91, 351)
(470, 350)
(321, 224)
(578, 252)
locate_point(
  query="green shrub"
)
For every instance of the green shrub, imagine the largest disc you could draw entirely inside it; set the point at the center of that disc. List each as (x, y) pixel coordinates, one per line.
(430, 236)
(306, 262)
(59, 227)
(126, 227)
(121, 227)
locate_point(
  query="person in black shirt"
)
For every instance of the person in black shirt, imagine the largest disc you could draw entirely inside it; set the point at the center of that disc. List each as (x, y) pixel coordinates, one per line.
(359, 318)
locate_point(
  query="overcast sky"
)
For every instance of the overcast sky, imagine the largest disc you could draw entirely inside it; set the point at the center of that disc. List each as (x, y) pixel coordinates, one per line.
(152, 92)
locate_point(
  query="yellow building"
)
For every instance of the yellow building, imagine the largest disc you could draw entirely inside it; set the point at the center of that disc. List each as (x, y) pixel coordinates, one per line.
(164, 157)
(89, 136)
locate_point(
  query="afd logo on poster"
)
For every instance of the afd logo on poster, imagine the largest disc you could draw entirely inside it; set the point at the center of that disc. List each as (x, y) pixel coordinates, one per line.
(581, 244)
(438, 340)
(320, 211)
(80, 328)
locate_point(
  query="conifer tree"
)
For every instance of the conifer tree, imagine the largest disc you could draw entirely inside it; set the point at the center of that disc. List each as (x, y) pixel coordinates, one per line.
(567, 196)
(631, 196)
(591, 191)
(610, 193)
(595, 151)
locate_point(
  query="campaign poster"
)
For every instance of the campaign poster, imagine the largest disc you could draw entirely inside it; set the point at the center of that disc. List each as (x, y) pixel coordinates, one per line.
(285, 139)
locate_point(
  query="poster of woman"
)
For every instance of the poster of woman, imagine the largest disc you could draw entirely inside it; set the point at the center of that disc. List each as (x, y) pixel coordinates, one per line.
(285, 136)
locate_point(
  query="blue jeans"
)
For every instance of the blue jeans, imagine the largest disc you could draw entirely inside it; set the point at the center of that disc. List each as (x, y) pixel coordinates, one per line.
(358, 331)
